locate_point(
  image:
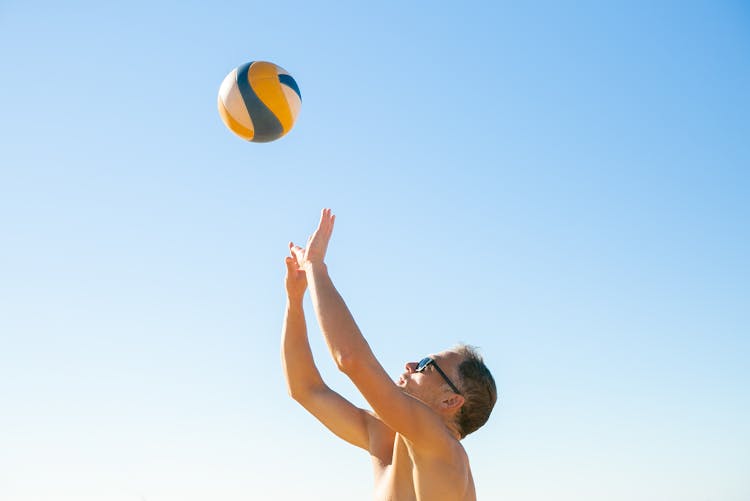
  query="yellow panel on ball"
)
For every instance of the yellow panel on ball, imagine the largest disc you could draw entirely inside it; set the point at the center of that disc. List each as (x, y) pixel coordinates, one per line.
(259, 101)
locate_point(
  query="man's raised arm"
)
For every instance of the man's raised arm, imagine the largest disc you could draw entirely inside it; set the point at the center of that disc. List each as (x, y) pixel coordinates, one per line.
(351, 351)
(302, 376)
(344, 339)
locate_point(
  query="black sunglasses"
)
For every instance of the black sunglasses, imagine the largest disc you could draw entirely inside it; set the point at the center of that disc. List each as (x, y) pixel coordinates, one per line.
(426, 362)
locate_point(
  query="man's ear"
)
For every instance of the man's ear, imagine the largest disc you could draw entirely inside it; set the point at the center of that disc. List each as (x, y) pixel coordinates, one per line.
(454, 402)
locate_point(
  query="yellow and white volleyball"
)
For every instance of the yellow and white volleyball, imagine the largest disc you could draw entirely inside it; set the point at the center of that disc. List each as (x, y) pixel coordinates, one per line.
(259, 101)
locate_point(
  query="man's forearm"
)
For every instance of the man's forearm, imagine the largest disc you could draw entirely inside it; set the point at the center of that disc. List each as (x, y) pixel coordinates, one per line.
(296, 358)
(344, 339)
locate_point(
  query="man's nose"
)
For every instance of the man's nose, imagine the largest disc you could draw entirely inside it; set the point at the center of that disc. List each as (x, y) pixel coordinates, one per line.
(410, 366)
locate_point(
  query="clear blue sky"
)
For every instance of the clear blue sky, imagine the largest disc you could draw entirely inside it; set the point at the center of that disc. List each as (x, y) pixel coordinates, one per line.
(564, 185)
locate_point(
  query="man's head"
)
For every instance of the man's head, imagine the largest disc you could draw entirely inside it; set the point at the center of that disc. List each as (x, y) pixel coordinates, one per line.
(455, 383)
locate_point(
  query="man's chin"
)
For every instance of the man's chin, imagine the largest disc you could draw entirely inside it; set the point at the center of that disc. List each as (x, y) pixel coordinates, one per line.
(406, 390)
(402, 385)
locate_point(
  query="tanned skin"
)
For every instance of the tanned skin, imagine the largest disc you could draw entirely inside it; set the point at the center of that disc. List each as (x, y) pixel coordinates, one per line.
(410, 434)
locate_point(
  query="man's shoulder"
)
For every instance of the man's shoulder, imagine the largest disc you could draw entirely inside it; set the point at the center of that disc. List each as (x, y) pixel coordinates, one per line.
(443, 446)
(447, 469)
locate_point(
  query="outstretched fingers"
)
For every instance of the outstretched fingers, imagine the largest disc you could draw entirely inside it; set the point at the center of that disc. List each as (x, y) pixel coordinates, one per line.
(295, 280)
(317, 244)
(327, 219)
(297, 253)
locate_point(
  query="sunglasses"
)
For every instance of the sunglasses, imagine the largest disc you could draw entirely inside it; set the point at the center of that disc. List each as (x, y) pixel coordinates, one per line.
(426, 362)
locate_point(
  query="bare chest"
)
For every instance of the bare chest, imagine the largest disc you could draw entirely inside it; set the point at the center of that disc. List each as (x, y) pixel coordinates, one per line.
(405, 475)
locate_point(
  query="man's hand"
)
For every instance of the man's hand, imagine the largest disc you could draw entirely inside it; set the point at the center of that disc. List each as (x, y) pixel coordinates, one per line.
(296, 280)
(317, 244)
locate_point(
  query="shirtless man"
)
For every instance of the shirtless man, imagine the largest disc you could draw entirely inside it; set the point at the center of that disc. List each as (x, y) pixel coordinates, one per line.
(413, 434)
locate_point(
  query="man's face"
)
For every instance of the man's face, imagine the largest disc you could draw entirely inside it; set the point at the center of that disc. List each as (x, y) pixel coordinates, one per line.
(428, 385)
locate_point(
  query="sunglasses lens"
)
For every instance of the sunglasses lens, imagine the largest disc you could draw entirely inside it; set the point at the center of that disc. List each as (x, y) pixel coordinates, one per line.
(423, 363)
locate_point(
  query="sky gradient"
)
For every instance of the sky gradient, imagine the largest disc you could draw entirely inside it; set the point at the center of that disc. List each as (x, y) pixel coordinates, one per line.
(564, 185)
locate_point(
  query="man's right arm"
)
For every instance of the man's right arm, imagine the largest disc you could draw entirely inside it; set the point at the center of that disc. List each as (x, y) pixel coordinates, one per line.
(304, 382)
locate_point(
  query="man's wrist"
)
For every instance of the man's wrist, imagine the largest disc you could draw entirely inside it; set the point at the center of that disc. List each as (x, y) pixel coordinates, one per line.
(311, 266)
(295, 300)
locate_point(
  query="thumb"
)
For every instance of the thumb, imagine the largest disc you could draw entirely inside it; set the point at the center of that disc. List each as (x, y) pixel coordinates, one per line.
(296, 250)
(291, 265)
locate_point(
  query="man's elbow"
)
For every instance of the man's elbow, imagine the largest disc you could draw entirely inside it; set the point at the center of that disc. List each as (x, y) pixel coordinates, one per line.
(303, 393)
(299, 393)
(347, 362)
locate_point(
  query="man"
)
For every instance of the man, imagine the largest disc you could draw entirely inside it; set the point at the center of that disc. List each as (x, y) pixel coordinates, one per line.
(413, 434)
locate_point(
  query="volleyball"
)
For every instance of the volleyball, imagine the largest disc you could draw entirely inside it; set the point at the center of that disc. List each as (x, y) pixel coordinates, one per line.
(259, 101)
